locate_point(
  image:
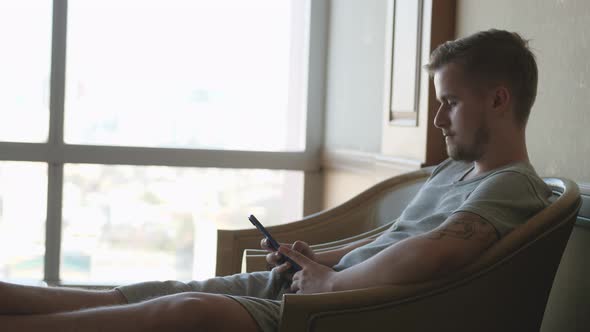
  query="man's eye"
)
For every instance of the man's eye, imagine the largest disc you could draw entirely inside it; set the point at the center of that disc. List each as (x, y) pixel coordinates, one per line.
(452, 103)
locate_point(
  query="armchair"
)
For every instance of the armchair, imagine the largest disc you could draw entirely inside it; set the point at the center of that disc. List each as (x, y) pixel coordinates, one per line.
(505, 289)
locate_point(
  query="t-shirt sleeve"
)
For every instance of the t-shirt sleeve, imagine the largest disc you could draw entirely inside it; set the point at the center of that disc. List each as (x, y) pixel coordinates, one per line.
(506, 200)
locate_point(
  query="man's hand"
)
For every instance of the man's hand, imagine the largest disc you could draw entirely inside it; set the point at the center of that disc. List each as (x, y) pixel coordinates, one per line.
(313, 277)
(275, 259)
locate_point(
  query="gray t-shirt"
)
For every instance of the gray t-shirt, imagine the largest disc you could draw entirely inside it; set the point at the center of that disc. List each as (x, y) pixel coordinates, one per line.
(505, 197)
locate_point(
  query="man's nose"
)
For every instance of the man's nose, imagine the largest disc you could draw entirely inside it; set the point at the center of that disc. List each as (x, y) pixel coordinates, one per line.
(440, 119)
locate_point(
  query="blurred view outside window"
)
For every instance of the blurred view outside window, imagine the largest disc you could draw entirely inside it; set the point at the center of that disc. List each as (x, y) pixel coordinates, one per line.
(24, 70)
(129, 223)
(184, 74)
(23, 197)
(211, 74)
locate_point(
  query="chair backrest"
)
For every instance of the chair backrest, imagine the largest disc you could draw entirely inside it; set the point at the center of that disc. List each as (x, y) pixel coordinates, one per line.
(569, 300)
(388, 199)
(393, 202)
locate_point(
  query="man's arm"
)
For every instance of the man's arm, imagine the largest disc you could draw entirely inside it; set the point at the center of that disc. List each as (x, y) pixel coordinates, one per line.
(455, 243)
(332, 257)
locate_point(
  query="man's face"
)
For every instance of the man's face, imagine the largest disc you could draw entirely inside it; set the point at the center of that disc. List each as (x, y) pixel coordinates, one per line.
(461, 115)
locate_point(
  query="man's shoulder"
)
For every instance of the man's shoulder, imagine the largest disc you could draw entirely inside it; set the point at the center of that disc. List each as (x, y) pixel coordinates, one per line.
(508, 196)
(514, 182)
(516, 172)
(452, 168)
(517, 177)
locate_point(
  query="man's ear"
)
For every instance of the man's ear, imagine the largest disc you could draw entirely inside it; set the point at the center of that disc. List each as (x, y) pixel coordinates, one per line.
(501, 97)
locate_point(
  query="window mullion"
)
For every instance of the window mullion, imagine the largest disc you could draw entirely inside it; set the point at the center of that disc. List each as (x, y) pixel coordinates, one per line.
(58, 73)
(55, 141)
(53, 226)
(316, 78)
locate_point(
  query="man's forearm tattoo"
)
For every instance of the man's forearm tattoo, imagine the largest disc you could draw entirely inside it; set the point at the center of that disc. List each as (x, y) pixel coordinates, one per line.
(477, 229)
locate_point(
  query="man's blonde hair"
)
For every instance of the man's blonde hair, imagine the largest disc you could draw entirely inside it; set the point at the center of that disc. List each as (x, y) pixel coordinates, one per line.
(491, 56)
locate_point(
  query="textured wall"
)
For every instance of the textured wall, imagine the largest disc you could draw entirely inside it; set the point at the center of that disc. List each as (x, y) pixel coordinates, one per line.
(560, 37)
(557, 133)
(354, 78)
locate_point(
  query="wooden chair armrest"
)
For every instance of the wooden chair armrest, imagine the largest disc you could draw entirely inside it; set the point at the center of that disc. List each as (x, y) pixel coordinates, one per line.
(255, 259)
(299, 312)
(343, 242)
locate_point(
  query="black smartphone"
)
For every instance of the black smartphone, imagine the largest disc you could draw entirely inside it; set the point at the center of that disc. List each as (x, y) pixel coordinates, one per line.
(272, 242)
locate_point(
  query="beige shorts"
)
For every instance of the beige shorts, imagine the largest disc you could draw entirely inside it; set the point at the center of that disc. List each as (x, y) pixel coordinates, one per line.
(259, 293)
(265, 312)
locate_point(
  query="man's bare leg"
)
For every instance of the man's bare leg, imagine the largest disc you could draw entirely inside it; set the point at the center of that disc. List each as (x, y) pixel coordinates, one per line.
(19, 299)
(178, 312)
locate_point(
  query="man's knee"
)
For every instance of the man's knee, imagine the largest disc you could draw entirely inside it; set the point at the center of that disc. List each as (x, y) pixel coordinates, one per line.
(185, 312)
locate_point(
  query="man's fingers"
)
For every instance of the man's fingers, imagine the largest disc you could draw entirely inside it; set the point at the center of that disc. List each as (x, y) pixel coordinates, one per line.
(299, 246)
(264, 244)
(294, 286)
(282, 268)
(299, 258)
(273, 258)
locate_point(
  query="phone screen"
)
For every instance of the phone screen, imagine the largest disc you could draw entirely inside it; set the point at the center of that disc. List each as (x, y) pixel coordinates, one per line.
(270, 240)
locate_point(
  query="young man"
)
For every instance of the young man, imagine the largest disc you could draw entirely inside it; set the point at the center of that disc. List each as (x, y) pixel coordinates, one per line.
(486, 84)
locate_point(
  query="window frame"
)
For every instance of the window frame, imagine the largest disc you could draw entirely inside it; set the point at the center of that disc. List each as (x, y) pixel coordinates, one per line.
(55, 152)
(413, 135)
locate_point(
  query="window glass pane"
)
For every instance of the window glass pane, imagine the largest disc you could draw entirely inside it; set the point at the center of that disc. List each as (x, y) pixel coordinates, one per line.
(23, 197)
(129, 223)
(25, 36)
(212, 74)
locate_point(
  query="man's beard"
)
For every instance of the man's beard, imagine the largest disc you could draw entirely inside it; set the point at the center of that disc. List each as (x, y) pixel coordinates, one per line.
(475, 150)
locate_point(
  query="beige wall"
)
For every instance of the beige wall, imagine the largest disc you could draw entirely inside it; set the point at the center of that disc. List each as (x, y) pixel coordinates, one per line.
(560, 37)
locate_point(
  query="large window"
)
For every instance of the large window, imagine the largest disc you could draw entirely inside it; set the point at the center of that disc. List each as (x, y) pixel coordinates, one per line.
(190, 74)
(134, 129)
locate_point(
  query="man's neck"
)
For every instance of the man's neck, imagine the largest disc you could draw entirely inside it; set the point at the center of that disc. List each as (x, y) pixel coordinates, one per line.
(504, 150)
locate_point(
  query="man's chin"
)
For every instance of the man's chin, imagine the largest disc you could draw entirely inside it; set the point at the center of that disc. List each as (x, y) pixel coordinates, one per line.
(459, 155)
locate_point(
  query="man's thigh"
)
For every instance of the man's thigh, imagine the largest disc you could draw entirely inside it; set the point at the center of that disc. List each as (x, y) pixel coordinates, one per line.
(258, 284)
(183, 312)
